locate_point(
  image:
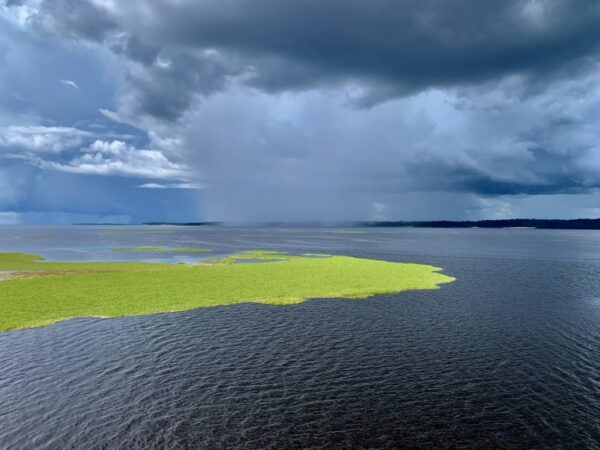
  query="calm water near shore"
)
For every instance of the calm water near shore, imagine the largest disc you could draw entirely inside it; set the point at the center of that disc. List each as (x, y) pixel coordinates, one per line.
(507, 356)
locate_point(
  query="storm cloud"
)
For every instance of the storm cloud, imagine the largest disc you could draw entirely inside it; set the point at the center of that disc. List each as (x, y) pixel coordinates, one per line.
(381, 50)
(336, 109)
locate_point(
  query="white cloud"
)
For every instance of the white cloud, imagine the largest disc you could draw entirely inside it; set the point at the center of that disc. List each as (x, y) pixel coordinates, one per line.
(69, 83)
(115, 117)
(153, 186)
(171, 186)
(19, 14)
(120, 159)
(41, 139)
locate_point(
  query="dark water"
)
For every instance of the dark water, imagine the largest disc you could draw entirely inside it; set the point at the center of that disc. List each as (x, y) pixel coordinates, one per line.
(508, 356)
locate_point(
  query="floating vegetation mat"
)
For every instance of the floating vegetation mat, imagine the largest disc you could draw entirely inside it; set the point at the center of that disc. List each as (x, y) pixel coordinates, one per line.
(160, 250)
(38, 293)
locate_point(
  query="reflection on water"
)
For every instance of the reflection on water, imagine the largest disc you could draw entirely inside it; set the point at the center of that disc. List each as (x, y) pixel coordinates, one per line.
(507, 356)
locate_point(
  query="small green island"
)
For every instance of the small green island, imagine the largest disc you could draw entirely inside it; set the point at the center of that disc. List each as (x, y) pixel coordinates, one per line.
(121, 233)
(35, 292)
(160, 250)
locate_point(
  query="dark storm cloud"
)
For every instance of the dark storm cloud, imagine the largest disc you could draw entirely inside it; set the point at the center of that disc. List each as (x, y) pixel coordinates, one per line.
(398, 46)
(309, 154)
(387, 48)
(78, 19)
(169, 87)
(284, 107)
(544, 172)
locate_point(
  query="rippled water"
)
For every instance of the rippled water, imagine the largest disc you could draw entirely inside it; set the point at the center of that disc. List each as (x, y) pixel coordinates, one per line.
(507, 356)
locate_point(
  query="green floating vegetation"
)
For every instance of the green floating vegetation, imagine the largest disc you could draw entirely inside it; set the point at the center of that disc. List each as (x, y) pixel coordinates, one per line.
(347, 231)
(160, 250)
(254, 256)
(40, 293)
(121, 233)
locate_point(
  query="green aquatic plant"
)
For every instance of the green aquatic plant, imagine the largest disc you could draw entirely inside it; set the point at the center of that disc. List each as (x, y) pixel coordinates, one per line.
(121, 233)
(254, 256)
(40, 292)
(160, 250)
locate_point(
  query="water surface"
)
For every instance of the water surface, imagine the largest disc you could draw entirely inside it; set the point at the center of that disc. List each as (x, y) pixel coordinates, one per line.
(507, 356)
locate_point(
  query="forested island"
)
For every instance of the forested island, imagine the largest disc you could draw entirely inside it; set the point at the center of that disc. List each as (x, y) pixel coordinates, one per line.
(544, 224)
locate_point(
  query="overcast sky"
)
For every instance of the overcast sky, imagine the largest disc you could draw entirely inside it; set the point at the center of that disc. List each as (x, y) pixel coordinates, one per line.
(263, 110)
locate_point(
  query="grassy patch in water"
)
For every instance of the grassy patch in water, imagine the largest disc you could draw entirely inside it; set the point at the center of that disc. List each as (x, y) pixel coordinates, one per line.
(160, 250)
(259, 255)
(121, 233)
(348, 231)
(41, 293)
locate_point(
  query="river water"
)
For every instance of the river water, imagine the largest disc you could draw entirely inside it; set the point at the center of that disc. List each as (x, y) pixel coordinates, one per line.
(508, 356)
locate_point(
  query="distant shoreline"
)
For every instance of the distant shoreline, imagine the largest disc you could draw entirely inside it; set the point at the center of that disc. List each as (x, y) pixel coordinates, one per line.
(540, 224)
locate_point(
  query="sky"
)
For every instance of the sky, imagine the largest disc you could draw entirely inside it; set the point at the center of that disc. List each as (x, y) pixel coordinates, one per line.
(298, 110)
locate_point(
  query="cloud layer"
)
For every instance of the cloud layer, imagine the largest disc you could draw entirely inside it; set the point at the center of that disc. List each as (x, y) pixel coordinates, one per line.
(377, 50)
(329, 109)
